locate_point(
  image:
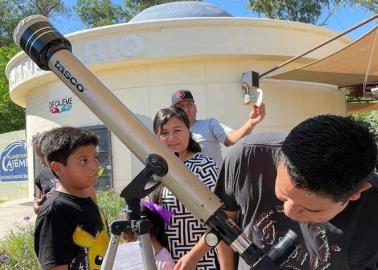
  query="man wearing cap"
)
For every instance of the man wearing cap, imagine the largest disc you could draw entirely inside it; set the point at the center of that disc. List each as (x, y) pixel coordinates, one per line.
(210, 133)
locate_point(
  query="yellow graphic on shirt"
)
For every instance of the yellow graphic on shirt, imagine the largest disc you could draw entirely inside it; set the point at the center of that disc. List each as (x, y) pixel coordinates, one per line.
(96, 246)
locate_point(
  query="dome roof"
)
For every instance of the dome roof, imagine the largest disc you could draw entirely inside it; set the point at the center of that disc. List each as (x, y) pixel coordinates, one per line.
(184, 9)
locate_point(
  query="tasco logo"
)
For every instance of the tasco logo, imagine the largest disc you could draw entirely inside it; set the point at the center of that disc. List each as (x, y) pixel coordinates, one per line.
(69, 76)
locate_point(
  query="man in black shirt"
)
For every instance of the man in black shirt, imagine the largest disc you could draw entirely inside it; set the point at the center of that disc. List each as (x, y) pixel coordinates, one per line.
(46, 181)
(317, 181)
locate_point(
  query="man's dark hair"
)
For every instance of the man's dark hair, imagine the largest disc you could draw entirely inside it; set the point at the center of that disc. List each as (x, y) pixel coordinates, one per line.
(330, 155)
(61, 142)
(38, 138)
(162, 117)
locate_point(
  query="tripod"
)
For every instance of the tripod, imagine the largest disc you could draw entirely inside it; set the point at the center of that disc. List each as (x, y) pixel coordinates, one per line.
(139, 226)
(143, 184)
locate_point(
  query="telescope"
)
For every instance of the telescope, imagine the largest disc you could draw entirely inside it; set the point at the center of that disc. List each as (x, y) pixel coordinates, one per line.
(52, 51)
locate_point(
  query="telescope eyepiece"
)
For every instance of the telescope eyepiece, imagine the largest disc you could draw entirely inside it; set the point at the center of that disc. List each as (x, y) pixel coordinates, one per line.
(282, 251)
(39, 39)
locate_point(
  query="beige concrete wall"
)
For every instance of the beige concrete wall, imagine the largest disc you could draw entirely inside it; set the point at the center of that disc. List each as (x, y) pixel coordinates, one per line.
(135, 43)
(7, 138)
(215, 83)
(143, 63)
(15, 189)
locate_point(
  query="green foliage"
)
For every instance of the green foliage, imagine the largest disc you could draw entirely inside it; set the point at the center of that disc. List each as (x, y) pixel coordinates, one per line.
(12, 12)
(94, 13)
(12, 116)
(111, 204)
(359, 99)
(356, 95)
(307, 11)
(17, 249)
(370, 118)
(371, 5)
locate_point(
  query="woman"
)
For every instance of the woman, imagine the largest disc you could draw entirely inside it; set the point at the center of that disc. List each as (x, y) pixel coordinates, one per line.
(171, 125)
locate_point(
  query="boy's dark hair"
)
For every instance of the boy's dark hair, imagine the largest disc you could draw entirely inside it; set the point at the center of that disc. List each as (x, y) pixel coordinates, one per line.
(162, 117)
(61, 142)
(330, 155)
(158, 225)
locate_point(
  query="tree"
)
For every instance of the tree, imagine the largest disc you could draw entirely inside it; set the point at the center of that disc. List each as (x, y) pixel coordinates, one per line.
(12, 116)
(370, 119)
(307, 11)
(12, 11)
(94, 13)
(371, 5)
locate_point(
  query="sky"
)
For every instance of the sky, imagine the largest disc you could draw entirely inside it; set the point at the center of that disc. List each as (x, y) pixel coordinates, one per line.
(343, 19)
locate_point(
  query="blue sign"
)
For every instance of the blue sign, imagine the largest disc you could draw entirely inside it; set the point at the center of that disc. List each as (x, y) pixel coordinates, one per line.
(14, 162)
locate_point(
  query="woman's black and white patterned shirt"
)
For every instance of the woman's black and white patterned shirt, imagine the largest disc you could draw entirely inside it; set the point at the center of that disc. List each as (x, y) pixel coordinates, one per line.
(185, 230)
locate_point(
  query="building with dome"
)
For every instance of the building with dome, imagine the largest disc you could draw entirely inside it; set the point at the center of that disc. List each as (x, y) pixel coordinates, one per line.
(189, 45)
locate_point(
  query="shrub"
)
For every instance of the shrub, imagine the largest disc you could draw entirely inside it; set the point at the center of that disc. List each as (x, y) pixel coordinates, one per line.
(111, 204)
(370, 119)
(17, 249)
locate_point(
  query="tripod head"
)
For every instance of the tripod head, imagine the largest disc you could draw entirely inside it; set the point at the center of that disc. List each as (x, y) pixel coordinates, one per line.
(142, 185)
(147, 180)
(133, 209)
(131, 224)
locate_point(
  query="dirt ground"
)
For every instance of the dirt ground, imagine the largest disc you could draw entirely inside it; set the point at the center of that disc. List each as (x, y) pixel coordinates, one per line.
(15, 212)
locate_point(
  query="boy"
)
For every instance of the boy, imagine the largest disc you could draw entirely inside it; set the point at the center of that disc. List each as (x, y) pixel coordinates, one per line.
(71, 232)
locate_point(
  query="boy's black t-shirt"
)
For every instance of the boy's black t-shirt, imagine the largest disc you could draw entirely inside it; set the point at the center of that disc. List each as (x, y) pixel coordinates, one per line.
(70, 231)
(246, 184)
(46, 181)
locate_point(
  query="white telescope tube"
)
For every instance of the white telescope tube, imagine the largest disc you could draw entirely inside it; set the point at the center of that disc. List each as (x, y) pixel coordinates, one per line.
(113, 113)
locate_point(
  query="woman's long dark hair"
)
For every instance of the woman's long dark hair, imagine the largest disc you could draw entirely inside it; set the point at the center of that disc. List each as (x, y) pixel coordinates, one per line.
(162, 117)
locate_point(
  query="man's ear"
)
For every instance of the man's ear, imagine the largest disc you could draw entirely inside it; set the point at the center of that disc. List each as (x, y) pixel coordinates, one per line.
(56, 167)
(357, 194)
